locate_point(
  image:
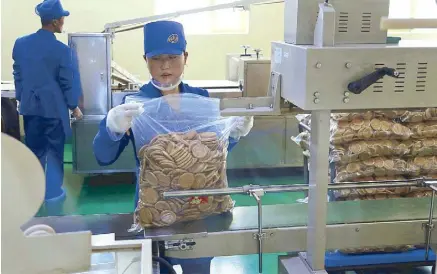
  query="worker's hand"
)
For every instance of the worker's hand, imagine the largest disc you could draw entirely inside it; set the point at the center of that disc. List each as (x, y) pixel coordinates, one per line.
(77, 113)
(119, 119)
(242, 127)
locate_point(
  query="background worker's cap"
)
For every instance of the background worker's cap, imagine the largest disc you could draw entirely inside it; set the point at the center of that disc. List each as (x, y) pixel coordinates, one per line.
(50, 10)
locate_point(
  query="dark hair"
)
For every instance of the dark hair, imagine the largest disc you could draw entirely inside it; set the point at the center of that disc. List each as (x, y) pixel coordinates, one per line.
(46, 22)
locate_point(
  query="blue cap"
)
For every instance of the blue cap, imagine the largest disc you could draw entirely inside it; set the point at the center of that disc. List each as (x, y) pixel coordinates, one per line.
(164, 37)
(50, 10)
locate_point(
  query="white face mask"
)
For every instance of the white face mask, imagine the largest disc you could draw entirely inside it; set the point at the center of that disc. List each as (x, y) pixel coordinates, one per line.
(165, 86)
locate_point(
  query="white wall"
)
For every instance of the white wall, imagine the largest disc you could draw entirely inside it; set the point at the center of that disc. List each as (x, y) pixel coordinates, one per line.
(206, 52)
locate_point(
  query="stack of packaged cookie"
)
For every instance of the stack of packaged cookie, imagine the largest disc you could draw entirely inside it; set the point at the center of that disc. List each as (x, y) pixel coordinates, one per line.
(182, 145)
(380, 146)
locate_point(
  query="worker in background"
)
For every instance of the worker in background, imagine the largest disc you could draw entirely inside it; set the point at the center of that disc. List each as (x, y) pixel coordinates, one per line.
(166, 57)
(47, 88)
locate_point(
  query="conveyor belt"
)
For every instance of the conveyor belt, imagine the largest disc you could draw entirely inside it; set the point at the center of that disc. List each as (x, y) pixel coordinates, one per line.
(245, 218)
(351, 224)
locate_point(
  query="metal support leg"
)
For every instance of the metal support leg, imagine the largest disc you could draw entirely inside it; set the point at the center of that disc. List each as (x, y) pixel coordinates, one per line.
(257, 194)
(318, 189)
(430, 225)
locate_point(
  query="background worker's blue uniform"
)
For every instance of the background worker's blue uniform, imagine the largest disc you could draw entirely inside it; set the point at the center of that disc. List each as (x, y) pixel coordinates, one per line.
(107, 152)
(47, 86)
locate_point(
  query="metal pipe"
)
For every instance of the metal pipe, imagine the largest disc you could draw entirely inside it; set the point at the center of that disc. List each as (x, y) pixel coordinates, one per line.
(430, 225)
(260, 232)
(289, 188)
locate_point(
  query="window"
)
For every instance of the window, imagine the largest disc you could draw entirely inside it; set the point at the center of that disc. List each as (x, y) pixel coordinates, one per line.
(414, 9)
(227, 21)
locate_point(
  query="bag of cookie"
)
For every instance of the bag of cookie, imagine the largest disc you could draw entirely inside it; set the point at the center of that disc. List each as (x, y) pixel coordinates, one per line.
(424, 164)
(422, 147)
(348, 117)
(409, 116)
(360, 129)
(423, 130)
(364, 150)
(376, 167)
(182, 144)
(374, 193)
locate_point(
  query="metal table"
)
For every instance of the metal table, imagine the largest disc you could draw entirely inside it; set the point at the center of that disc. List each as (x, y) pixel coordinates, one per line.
(351, 224)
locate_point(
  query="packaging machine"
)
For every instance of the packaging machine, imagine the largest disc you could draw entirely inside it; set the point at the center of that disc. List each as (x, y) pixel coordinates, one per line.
(329, 61)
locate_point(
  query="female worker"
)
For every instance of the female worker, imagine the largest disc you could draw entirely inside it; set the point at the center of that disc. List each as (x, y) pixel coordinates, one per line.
(46, 85)
(166, 56)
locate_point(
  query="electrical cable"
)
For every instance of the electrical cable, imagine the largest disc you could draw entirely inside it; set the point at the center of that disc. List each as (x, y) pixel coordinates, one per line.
(160, 260)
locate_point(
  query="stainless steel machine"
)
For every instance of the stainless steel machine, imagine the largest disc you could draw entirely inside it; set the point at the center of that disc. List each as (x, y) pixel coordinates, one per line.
(332, 56)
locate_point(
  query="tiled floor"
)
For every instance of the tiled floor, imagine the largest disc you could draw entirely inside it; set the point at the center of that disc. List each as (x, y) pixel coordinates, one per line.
(85, 198)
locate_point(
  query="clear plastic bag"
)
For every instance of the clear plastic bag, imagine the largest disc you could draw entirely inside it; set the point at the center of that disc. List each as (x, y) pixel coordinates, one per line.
(302, 140)
(372, 193)
(375, 129)
(381, 166)
(378, 167)
(181, 142)
(364, 150)
(304, 119)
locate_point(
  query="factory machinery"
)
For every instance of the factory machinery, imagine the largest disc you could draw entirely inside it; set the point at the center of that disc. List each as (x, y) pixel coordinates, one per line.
(328, 62)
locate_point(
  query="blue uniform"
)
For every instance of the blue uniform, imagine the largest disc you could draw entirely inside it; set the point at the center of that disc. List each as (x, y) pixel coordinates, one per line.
(47, 86)
(107, 151)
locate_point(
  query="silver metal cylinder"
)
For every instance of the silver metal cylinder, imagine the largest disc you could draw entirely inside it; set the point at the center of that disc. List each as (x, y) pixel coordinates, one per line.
(289, 188)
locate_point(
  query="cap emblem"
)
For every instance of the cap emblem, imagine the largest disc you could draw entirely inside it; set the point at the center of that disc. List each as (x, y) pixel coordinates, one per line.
(173, 39)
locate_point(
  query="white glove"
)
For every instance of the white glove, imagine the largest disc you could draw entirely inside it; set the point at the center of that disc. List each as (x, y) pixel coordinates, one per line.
(119, 119)
(242, 127)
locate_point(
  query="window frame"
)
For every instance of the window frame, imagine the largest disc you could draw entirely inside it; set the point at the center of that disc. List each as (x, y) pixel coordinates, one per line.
(413, 34)
(214, 27)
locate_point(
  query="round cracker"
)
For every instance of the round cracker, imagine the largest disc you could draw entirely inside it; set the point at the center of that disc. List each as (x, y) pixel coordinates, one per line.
(155, 213)
(163, 179)
(186, 180)
(205, 207)
(389, 164)
(145, 215)
(168, 217)
(375, 124)
(149, 195)
(175, 207)
(198, 168)
(199, 181)
(386, 125)
(365, 133)
(352, 167)
(190, 135)
(208, 135)
(398, 129)
(199, 151)
(150, 178)
(162, 205)
(355, 148)
(379, 162)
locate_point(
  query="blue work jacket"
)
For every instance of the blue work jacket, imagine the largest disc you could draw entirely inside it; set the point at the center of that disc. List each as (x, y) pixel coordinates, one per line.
(46, 77)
